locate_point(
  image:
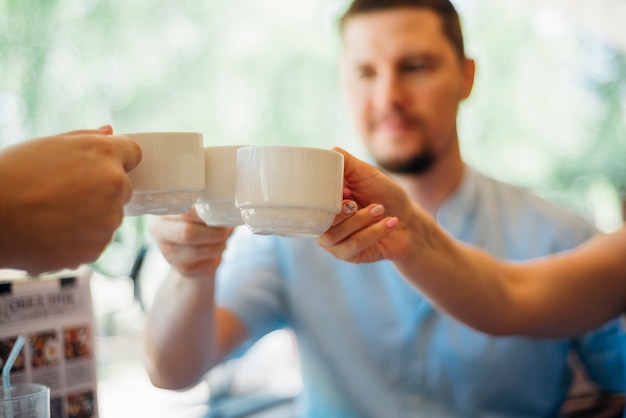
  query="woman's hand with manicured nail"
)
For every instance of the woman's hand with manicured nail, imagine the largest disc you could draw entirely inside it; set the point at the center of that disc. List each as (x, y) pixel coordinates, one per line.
(373, 224)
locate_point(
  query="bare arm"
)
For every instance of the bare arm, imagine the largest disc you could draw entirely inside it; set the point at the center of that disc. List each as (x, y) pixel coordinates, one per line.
(560, 296)
(186, 334)
(563, 295)
(62, 198)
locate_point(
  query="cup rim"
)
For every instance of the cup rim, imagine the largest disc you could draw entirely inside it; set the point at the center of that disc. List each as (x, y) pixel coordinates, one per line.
(162, 133)
(163, 191)
(226, 146)
(37, 388)
(292, 147)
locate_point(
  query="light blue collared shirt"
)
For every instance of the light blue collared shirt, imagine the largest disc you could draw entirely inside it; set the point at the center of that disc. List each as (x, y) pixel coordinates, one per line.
(371, 346)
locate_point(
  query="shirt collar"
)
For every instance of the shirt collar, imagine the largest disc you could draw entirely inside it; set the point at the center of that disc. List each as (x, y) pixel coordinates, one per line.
(460, 205)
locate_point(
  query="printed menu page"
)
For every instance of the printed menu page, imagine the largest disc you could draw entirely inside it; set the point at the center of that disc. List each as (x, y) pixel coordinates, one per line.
(54, 314)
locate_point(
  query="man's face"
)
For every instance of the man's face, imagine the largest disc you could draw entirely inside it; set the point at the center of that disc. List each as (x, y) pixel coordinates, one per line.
(403, 82)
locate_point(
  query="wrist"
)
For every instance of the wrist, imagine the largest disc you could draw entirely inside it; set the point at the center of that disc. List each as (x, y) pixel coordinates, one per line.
(197, 290)
(423, 236)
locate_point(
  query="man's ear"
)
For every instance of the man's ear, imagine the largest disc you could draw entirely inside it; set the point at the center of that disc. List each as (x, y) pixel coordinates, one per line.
(469, 70)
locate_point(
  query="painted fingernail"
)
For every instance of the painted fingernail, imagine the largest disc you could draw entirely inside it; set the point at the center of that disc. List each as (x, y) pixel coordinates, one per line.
(391, 223)
(377, 210)
(349, 208)
(104, 127)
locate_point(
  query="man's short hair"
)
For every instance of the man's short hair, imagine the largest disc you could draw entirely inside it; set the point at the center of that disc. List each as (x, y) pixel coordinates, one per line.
(451, 24)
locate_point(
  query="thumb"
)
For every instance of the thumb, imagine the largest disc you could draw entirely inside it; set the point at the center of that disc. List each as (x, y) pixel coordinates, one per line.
(103, 130)
(356, 171)
(128, 151)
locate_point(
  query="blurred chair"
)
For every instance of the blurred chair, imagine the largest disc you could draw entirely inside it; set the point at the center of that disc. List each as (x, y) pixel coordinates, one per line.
(586, 400)
(263, 381)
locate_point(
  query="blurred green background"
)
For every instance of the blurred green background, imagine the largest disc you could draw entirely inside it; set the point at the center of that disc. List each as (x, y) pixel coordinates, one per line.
(547, 112)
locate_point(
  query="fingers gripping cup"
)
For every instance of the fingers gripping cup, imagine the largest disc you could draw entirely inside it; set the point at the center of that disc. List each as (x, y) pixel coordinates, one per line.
(289, 191)
(170, 176)
(216, 204)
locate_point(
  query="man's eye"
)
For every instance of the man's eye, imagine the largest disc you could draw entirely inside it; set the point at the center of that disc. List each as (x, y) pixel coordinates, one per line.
(365, 73)
(412, 68)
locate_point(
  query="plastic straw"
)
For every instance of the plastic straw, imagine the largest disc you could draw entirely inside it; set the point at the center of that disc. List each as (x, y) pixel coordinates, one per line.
(6, 370)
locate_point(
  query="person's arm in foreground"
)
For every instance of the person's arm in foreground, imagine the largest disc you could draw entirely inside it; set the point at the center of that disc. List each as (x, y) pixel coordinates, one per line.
(559, 296)
(186, 334)
(62, 198)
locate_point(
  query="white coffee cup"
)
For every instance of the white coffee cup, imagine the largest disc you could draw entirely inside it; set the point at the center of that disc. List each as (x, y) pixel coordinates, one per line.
(170, 176)
(216, 204)
(289, 191)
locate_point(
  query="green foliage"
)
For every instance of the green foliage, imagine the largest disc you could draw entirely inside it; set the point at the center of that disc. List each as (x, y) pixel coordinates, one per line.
(548, 104)
(239, 72)
(603, 153)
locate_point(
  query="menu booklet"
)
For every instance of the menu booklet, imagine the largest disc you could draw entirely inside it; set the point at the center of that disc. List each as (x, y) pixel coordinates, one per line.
(54, 314)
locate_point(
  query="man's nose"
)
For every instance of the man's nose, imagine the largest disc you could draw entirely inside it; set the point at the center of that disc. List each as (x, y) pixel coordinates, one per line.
(388, 92)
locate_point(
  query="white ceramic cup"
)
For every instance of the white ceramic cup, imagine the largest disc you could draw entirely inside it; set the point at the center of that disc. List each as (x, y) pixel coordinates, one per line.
(170, 176)
(289, 191)
(216, 204)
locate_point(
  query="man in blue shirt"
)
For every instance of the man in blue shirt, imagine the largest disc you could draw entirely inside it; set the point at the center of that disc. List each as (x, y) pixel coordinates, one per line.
(369, 344)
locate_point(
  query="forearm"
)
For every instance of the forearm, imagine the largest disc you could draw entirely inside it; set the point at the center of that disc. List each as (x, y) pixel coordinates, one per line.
(580, 290)
(11, 246)
(462, 281)
(7, 259)
(561, 296)
(180, 332)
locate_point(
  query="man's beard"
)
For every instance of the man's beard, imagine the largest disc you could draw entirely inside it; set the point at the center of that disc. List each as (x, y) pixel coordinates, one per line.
(418, 164)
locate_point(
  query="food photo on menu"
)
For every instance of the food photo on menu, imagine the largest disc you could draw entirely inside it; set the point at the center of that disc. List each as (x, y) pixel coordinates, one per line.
(77, 342)
(45, 348)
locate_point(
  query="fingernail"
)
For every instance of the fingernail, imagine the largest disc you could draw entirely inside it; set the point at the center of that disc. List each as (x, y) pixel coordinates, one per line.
(104, 127)
(377, 210)
(349, 208)
(391, 223)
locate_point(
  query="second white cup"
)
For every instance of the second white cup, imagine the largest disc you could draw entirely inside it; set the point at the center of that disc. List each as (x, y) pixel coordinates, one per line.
(216, 204)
